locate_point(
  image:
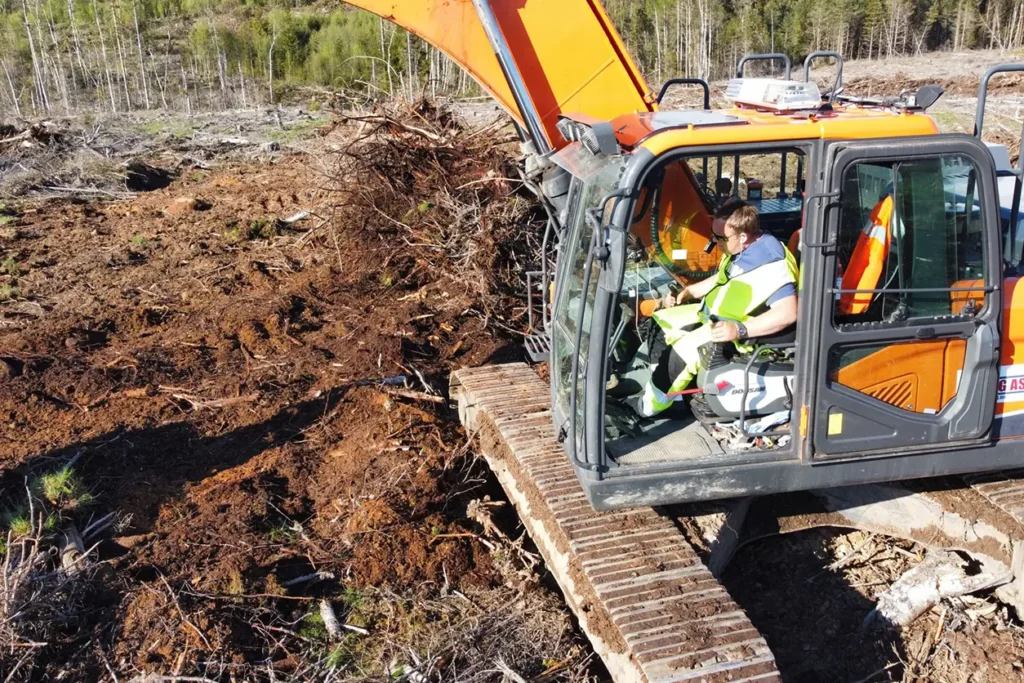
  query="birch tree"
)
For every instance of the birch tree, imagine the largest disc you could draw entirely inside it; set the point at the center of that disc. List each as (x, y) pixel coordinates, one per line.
(37, 68)
(142, 62)
(103, 53)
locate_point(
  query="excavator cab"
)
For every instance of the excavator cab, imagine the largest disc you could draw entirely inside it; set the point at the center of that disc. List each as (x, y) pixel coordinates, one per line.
(671, 245)
(904, 386)
(668, 243)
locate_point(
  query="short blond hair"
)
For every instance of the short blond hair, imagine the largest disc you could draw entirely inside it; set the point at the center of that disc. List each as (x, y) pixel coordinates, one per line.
(745, 221)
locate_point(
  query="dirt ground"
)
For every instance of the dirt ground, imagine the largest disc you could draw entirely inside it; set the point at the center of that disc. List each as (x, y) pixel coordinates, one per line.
(247, 368)
(223, 380)
(813, 614)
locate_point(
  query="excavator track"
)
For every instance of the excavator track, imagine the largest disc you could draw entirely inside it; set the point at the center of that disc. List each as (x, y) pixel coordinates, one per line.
(650, 607)
(1005, 490)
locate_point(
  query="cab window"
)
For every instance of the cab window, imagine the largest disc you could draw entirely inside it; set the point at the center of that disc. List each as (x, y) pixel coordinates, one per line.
(672, 222)
(910, 242)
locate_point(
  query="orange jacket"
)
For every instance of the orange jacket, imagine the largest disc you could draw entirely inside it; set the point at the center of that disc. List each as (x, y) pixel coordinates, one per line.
(868, 259)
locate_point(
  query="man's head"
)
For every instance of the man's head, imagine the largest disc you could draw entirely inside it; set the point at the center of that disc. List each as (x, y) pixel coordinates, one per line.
(735, 226)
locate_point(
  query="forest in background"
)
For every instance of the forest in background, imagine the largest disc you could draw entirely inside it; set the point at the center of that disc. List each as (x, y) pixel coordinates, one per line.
(61, 57)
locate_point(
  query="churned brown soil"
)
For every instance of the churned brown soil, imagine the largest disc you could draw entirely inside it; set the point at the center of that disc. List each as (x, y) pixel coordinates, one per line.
(213, 373)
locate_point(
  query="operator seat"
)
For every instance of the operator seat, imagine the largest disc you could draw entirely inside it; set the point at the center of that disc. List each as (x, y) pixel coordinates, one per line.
(868, 260)
(785, 336)
(794, 245)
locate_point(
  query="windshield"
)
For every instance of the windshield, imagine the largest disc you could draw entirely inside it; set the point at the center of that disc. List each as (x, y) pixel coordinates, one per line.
(594, 178)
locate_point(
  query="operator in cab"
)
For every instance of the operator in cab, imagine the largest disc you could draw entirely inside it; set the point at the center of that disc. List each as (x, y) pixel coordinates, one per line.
(752, 295)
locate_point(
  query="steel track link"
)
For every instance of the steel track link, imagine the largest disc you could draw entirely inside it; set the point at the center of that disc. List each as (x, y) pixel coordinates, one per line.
(651, 609)
(1004, 489)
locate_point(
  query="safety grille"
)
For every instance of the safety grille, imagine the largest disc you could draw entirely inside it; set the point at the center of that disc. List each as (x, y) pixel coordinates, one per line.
(899, 392)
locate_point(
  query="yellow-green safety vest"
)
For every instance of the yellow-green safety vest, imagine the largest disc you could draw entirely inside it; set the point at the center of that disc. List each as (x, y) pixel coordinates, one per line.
(732, 298)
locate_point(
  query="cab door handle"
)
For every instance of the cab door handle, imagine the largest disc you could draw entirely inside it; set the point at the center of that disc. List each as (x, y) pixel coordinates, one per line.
(925, 333)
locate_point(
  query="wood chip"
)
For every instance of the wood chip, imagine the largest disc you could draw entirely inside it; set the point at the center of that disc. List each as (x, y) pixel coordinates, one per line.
(331, 622)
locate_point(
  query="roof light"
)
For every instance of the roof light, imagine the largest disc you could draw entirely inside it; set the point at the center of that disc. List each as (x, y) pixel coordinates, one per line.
(596, 135)
(769, 93)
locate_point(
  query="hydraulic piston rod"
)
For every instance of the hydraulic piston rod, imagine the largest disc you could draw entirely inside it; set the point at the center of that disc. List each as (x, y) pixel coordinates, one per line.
(529, 113)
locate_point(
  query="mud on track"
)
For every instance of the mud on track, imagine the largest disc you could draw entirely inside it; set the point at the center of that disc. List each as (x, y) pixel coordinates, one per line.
(210, 369)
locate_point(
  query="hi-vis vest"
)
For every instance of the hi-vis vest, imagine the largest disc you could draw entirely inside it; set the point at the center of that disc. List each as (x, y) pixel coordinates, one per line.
(867, 260)
(733, 298)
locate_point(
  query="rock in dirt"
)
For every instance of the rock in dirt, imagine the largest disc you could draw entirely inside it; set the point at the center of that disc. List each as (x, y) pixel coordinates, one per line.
(186, 204)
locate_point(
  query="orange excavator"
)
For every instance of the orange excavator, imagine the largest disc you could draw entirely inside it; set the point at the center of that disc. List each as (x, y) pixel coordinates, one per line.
(903, 362)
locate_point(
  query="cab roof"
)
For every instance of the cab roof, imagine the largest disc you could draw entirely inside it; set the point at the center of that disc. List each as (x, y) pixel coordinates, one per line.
(664, 130)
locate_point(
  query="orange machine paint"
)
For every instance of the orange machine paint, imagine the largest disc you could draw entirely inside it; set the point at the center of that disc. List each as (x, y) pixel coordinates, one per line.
(916, 362)
(904, 375)
(681, 211)
(1011, 376)
(849, 123)
(568, 52)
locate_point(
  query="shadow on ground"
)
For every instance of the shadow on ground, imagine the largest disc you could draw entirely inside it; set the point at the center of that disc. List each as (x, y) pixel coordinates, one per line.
(811, 618)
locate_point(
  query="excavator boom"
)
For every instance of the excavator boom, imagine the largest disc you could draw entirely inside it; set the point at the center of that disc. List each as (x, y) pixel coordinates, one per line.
(538, 58)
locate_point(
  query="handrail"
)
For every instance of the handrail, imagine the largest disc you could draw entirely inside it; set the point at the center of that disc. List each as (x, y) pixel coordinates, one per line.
(766, 56)
(979, 114)
(979, 120)
(687, 81)
(839, 69)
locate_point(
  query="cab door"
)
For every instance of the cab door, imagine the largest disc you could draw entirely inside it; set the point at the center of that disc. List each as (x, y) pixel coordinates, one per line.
(908, 341)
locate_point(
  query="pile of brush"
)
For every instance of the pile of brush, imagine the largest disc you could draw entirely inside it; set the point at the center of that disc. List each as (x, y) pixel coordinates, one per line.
(444, 201)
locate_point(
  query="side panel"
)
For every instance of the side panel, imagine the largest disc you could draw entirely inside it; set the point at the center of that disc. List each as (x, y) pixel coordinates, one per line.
(569, 54)
(1010, 397)
(918, 377)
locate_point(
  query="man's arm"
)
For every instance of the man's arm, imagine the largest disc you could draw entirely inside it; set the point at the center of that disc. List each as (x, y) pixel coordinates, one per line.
(698, 291)
(778, 317)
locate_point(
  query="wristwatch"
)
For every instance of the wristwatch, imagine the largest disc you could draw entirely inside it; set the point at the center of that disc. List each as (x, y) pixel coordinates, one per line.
(741, 330)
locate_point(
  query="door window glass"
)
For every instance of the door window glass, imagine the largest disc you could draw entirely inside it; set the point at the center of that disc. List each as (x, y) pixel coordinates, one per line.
(910, 242)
